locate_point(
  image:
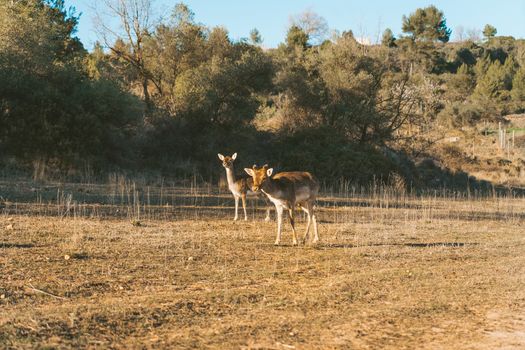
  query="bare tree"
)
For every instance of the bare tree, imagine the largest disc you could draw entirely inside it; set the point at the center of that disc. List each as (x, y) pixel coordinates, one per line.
(474, 35)
(136, 22)
(314, 25)
(459, 32)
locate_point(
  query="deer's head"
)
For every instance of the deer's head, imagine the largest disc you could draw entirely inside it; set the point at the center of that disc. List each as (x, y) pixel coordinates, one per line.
(259, 176)
(227, 162)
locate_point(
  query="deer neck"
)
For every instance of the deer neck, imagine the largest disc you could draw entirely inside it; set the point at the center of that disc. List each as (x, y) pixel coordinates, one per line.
(270, 187)
(230, 176)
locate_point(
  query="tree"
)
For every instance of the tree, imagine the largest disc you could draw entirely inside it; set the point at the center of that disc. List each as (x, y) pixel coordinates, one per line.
(427, 24)
(460, 85)
(518, 86)
(47, 96)
(178, 46)
(136, 24)
(38, 60)
(222, 91)
(99, 65)
(473, 35)
(459, 33)
(312, 24)
(219, 43)
(464, 55)
(388, 39)
(342, 88)
(255, 37)
(495, 82)
(348, 91)
(35, 34)
(489, 31)
(296, 37)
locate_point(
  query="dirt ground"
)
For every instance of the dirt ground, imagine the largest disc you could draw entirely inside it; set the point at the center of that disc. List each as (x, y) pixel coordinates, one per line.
(432, 274)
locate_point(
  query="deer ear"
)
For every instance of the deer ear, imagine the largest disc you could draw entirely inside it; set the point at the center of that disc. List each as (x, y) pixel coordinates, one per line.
(249, 171)
(269, 172)
(234, 156)
(265, 166)
(221, 157)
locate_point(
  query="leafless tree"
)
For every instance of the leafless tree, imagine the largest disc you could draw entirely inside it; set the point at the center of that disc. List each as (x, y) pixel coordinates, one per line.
(459, 32)
(136, 22)
(474, 34)
(312, 24)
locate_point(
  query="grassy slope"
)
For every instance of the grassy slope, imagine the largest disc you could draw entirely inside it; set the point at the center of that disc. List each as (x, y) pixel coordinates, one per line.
(477, 152)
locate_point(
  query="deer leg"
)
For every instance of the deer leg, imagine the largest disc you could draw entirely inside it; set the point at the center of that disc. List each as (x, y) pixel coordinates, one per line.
(279, 210)
(267, 218)
(292, 222)
(307, 211)
(243, 197)
(316, 235)
(236, 208)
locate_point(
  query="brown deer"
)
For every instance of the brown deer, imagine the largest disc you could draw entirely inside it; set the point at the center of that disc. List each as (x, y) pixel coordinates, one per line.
(241, 187)
(286, 190)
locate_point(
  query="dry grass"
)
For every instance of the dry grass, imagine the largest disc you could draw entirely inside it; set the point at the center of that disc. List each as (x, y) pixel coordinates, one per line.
(477, 152)
(389, 273)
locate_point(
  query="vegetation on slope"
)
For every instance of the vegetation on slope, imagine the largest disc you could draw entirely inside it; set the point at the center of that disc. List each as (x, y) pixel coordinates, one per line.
(166, 96)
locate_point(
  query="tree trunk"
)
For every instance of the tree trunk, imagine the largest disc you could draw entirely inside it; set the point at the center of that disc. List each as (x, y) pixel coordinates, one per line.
(39, 168)
(147, 98)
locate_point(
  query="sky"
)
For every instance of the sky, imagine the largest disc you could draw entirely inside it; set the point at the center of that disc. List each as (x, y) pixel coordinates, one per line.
(366, 18)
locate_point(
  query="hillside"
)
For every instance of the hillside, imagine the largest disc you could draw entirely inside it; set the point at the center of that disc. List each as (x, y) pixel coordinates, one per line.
(161, 102)
(479, 152)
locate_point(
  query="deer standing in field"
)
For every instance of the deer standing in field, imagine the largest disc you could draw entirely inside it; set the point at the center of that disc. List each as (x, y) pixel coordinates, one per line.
(241, 187)
(286, 190)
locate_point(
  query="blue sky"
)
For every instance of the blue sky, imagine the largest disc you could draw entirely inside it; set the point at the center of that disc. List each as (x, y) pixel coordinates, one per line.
(366, 18)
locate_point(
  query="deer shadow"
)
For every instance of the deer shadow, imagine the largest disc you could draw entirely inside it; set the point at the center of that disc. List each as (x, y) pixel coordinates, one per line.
(411, 245)
(16, 245)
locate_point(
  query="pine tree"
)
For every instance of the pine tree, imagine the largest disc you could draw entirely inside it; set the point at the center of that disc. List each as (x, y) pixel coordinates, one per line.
(462, 83)
(296, 37)
(255, 37)
(518, 86)
(489, 31)
(427, 24)
(496, 82)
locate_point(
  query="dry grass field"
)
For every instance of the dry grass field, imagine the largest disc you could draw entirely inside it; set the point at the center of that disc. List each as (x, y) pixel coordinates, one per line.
(167, 268)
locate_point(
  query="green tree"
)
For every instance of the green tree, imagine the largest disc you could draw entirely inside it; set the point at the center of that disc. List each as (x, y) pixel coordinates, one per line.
(489, 31)
(388, 39)
(176, 47)
(219, 44)
(36, 34)
(481, 66)
(197, 68)
(518, 86)
(100, 65)
(46, 96)
(345, 89)
(460, 114)
(495, 82)
(296, 37)
(427, 24)
(459, 86)
(255, 37)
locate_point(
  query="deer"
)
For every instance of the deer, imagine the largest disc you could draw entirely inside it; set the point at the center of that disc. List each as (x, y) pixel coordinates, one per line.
(240, 187)
(286, 190)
